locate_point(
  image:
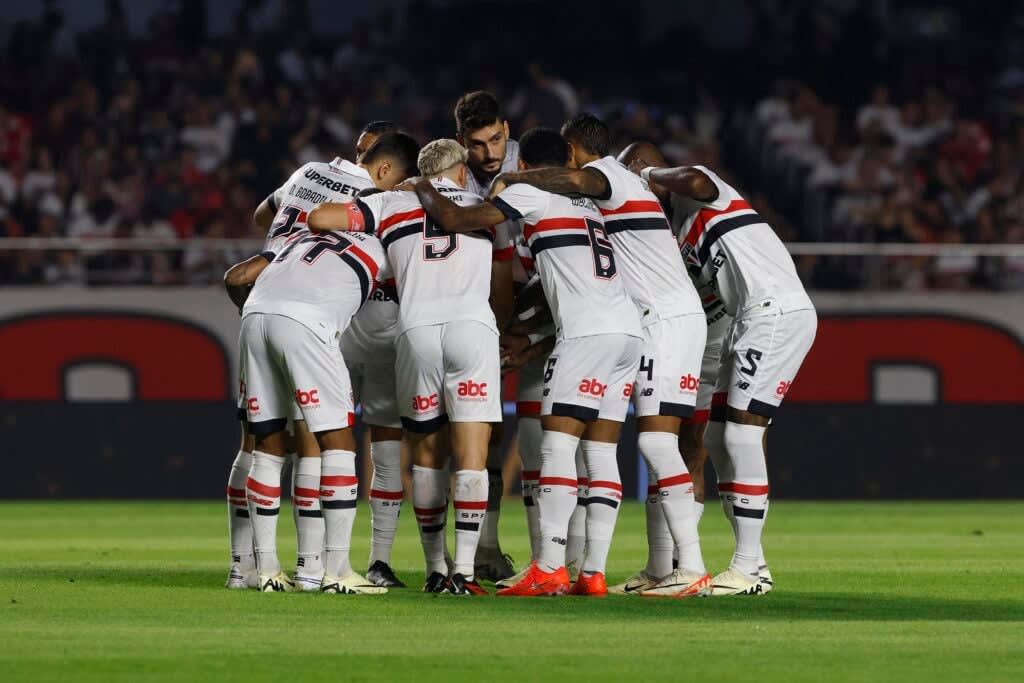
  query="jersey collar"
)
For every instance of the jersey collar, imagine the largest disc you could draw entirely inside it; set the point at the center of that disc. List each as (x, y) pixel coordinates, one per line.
(346, 166)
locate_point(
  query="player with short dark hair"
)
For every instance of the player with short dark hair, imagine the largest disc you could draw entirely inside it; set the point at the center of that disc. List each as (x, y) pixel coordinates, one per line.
(588, 132)
(370, 133)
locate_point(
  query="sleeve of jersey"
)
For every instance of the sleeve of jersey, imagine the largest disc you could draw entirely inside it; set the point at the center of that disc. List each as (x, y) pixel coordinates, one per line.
(521, 202)
(504, 241)
(364, 213)
(602, 166)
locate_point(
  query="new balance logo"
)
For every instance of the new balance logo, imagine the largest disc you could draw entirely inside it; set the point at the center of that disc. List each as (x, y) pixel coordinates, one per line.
(649, 391)
(592, 386)
(424, 403)
(559, 541)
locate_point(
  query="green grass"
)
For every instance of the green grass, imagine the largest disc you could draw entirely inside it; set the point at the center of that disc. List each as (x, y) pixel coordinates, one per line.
(865, 592)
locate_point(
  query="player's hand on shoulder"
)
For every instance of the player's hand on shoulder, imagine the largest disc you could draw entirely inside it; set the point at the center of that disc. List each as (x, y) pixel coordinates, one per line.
(638, 164)
(408, 185)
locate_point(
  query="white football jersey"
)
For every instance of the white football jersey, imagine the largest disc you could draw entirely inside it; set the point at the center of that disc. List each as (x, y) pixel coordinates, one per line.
(644, 246)
(509, 164)
(441, 277)
(727, 244)
(576, 262)
(312, 184)
(319, 280)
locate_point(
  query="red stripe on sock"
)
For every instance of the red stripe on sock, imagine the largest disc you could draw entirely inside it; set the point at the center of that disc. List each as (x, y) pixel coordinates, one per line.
(677, 480)
(470, 504)
(613, 485)
(240, 502)
(557, 481)
(749, 489)
(306, 493)
(272, 491)
(237, 493)
(430, 511)
(339, 480)
(385, 495)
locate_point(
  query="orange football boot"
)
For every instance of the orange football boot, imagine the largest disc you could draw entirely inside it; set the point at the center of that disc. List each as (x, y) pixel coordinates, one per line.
(592, 585)
(539, 582)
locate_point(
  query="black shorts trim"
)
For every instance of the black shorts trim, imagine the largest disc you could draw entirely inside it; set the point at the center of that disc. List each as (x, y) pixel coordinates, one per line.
(267, 512)
(467, 526)
(425, 426)
(580, 500)
(311, 513)
(267, 427)
(747, 512)
(431, 528)
(598, 500)
(338, 504)
(761, 408)
(571, 410)
(675, 410)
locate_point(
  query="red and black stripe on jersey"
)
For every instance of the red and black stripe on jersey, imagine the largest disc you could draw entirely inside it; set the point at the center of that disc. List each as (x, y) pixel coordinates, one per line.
(635, 215)
(405, 224)
(573, 231)
(696, 247)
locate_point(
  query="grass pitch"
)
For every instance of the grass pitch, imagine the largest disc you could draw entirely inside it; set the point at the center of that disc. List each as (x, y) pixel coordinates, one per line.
(865, 592)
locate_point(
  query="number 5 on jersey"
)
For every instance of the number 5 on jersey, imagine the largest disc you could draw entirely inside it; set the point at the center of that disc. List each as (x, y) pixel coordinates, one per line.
(438, 243)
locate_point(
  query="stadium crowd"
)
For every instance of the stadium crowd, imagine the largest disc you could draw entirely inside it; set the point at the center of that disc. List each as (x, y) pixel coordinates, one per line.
(178, 134)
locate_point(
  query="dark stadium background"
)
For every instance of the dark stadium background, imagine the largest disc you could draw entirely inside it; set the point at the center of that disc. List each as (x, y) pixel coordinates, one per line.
(885, 140)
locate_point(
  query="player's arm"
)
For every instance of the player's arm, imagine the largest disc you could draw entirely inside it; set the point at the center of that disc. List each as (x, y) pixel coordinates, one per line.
(331, 216)
(573, 182)
(263, 216)
(239, 278)
(516, 359)
(684, 180)
(454, 218)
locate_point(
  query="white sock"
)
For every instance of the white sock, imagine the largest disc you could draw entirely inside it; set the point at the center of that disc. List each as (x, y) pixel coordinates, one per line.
(339, 488)
(603, 499)
(529, 436)
(714, 442)
(470, 513)
(556, 497)
(309, 519)
(660, 546)
(749, 494)
(661, 449)
(239, 523)
(699, 510)
(761, 562)
(576, 540)
(429, 491)
(385, 498)
(263, 489)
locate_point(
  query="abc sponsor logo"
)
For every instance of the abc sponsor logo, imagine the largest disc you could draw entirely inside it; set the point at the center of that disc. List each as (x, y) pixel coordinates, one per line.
(472, 391)
(627, 391)
(688, 383)
(253, 405)
(783, 387)
(591, 387)
(422, 404)
(307, 398)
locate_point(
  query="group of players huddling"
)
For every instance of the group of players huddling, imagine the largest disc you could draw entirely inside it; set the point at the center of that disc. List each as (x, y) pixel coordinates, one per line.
(412, 279)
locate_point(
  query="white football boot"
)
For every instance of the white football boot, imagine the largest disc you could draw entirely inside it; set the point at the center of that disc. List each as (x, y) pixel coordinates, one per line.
(765, 577)
(353, 584)
(241, 579)
(307, 583)
(277, 583)
(681, 584)
(514, 579)
(635, 584)
(732, 582)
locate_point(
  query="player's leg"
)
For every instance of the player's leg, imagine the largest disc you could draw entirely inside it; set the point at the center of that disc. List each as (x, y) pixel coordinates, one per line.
(671, 368)
(768, 352)
(309, 519)
(491, 563)
(620, 357)
(576, 540)
(419, 376)
(267, 400)
(565, 411)
(380, 412)
(242, 573)
(472, 396)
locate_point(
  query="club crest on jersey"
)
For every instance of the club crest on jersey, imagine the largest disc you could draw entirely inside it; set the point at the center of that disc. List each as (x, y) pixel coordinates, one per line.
(689, 255)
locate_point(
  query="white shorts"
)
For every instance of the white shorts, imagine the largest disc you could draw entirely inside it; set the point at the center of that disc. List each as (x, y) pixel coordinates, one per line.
(669, 374)
(710, 364)
(372, 372)
(530, 388)
(448, 372)
(762, 354)
(591, 377)
(282, 363)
